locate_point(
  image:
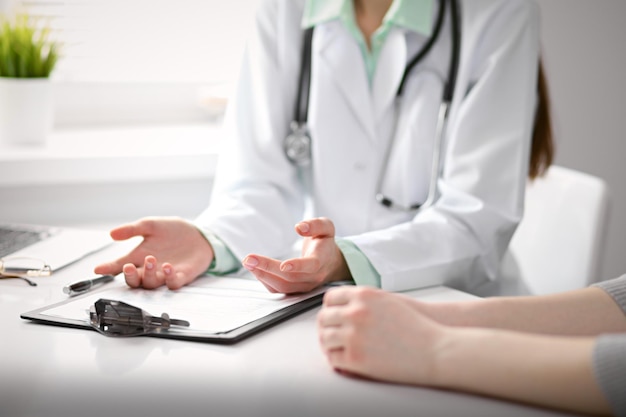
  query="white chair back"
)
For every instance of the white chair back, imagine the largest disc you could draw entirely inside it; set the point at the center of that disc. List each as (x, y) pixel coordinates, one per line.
(558, 245)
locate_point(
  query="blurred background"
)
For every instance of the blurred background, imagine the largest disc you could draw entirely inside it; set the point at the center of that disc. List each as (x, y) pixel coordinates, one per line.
(141, 88)
(585, 57)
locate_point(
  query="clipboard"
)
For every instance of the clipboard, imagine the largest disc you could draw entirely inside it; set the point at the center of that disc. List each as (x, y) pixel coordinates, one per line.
(229, 292)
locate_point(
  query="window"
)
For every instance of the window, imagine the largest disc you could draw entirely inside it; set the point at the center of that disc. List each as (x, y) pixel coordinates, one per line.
(143, 61)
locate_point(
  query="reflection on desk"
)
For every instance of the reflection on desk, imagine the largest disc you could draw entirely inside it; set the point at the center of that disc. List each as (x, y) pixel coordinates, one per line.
(55, 371)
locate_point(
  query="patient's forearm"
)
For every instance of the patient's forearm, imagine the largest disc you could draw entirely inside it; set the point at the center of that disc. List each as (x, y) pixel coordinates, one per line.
(589, 311)
(543, 370)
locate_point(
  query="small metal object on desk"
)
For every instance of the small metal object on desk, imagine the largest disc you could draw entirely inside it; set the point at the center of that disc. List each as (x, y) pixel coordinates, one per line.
(119, 319)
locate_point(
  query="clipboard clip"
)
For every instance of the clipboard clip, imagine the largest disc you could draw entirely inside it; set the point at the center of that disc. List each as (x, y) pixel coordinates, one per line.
(118, 319)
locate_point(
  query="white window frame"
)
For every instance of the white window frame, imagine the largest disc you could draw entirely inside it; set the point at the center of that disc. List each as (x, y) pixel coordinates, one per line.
(117, 131)
(89, 101)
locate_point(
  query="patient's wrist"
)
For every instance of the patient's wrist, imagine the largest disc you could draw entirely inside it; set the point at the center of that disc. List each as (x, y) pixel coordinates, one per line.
(458, 356)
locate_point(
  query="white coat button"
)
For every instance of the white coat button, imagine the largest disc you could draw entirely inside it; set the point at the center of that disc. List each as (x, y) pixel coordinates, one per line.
(360, 166)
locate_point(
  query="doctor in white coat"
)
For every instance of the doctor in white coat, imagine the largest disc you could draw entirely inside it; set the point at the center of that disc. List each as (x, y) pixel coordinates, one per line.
(362, 145)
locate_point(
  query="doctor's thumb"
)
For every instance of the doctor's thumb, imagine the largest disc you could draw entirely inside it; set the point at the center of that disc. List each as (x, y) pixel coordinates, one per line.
(318, 227)
(303, 228)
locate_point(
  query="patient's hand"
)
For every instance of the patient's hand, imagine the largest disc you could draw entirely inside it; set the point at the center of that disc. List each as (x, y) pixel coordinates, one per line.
(377, 334)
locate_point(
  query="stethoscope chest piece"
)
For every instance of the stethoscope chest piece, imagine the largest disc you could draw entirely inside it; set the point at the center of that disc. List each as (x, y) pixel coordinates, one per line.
(298, 145)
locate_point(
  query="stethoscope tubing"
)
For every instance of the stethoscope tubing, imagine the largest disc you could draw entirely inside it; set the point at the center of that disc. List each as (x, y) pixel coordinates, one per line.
(298, 144)
(442, 115)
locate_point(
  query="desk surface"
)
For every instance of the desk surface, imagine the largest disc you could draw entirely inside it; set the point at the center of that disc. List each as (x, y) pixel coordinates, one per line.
(55, 371)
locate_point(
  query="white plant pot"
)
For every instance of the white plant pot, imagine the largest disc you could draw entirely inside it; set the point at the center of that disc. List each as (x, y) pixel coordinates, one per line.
(26, 110)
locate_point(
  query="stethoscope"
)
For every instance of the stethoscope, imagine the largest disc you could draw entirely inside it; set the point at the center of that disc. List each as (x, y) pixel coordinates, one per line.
(297, 144)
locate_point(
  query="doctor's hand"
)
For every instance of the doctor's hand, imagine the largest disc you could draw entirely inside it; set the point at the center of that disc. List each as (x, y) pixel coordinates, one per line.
(173, 253)
(380, 335)
(321, 261)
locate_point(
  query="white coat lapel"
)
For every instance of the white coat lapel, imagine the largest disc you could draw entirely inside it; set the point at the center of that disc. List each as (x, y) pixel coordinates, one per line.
(388, 74)
(338, 51)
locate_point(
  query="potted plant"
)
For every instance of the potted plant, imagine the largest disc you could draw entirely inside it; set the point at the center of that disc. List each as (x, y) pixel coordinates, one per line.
(27, 58)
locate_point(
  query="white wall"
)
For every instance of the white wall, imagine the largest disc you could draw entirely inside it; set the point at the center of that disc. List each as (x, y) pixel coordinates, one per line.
(584, 44)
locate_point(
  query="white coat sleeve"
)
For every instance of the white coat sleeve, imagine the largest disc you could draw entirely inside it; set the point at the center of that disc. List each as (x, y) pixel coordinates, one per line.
(460, 240)
(256, 199)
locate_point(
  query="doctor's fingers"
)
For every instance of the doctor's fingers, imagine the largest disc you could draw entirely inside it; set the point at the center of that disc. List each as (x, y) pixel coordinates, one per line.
(285, 270)
(260, 264)
(136, 256)
(155, 276)
(267, 270)
(304, 265)
(149, 276)
(256, 266)
(141, 227)
(116, 266)
(175, 279)
(317, 227)
(131, 275)
(111, 268)
(286, 286)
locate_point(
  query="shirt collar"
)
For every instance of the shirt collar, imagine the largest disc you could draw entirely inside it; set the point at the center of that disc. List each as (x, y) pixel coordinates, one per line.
(415, 15)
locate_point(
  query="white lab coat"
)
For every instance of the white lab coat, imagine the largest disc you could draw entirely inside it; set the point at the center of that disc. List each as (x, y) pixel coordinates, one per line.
(459, 241)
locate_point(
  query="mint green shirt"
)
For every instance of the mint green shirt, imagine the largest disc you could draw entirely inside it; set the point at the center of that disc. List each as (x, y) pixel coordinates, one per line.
(415, 15)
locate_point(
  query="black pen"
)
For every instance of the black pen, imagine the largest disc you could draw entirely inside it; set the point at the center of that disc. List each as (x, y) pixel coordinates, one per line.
(84, 286)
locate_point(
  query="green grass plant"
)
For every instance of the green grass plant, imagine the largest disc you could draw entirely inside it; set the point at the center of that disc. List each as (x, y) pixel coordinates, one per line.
(26, 50)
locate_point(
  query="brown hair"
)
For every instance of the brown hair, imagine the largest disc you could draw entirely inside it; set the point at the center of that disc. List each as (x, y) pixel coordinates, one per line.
(542, 148)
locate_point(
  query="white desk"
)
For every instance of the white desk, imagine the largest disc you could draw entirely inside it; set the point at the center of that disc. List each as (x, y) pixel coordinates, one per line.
(62, 372)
